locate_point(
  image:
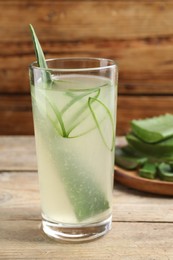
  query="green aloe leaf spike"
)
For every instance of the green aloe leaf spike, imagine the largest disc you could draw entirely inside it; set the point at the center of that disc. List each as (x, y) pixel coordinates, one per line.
(40, 56)
(90, 101)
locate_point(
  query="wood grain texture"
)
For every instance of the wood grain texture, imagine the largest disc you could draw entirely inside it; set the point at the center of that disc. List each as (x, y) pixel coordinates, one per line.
(120, 19)
(137, 34)
(17, 153)
(15, 114)
(126, 241)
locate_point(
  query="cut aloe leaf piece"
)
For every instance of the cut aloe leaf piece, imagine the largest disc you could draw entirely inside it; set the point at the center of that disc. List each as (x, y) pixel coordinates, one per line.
(162, 149)
(165, 172)
(126, 161)
(149, 171)
(171, 164)
(75, 99)
(40, 57)
(80, 122)
(106, 130)
(59, 118)
(129, 150)
(84, 193)
(152, 130)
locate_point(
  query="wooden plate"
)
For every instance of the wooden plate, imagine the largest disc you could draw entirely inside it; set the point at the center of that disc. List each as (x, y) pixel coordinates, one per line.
(133, 180)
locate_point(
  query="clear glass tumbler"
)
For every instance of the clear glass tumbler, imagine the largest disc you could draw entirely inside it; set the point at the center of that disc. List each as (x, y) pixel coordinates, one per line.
(74, 111)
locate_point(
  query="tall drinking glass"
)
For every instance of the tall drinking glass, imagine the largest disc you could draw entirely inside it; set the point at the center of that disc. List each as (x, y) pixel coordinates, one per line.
(74, 119)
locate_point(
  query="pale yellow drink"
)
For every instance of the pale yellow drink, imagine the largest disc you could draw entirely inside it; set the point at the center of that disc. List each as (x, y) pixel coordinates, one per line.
(74, 128)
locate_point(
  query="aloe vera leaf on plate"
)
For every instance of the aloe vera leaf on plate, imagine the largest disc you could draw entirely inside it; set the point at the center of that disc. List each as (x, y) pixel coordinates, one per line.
(155, 129)
(129, 150)
(161, 150)
(127, 161)
(165, 172)
(149, 171)
(171, 164)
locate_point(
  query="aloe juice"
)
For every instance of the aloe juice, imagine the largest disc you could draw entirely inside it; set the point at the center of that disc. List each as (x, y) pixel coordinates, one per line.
(74, 123)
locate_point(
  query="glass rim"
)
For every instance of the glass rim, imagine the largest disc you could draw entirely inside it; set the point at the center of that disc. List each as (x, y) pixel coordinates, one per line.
(112, 64)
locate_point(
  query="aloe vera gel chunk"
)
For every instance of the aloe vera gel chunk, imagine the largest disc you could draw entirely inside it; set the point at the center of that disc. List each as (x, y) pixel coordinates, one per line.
(159, 150)
(152, 130)
(152, 139)
(128, 161)
(148, 171)
(165, 172)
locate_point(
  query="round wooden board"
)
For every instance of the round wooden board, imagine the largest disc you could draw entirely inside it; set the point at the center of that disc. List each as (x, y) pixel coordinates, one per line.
(133, 180)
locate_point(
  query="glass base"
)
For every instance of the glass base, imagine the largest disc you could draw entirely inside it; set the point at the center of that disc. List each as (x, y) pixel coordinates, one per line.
(76, 233)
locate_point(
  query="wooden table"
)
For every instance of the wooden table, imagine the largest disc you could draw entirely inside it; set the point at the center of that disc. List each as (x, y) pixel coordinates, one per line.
(142, 223)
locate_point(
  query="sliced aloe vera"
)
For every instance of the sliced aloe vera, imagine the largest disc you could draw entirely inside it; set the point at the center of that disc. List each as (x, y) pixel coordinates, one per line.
(82, 116)
(107, 137)
(84, 193)
(165, 172)
(75, 99)
(149, 171)
(152, 130)
(162, 150)
(127, 161)
(129, 150)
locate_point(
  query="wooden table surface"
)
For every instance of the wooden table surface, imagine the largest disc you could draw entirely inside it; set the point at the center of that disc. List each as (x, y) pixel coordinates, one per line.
(142, 223)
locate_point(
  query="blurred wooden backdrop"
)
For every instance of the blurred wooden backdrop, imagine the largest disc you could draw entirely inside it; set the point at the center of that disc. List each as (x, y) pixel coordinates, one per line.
(138, 34)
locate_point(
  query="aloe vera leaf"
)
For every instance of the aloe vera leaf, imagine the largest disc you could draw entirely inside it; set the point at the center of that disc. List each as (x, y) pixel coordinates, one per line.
(149, 171)
(171, 165)
(82, 114)
(39, 104)
(54, 108)
(76, 99)
(152, 130)
(72, 102)
(165, 172)
(40, 56)
(126, 161)
(161, 150)
(58, 116)
(129, 150)
(83, 191)
(90, 102)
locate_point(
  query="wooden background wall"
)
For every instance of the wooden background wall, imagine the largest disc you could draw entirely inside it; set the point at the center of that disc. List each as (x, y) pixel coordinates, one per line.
(138, 34)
